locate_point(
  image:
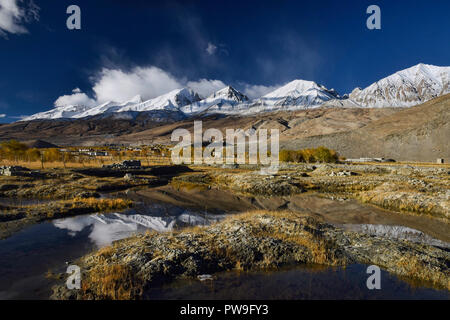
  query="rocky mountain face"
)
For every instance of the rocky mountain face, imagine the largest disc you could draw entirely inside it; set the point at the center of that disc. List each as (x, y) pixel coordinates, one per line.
(405, 88)
(418, 133)
(225, 100)
(294, 95)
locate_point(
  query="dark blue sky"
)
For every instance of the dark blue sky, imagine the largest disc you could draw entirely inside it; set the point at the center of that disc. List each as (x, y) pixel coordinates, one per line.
(257, 43)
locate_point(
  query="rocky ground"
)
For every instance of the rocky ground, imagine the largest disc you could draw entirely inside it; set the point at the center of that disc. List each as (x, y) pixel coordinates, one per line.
(249, 241)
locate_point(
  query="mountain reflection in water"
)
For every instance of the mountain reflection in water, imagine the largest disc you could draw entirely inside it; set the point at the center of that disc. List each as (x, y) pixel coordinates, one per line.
(396, 232)
(106, 228)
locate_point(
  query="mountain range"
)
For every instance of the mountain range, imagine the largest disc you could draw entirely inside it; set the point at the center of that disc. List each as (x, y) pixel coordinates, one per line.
(404, 88)
(405, 116)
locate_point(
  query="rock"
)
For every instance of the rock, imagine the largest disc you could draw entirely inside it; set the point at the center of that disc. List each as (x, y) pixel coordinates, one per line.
(14, 171)
(230, 166)
(87, 194)
(126, 164)
(128, 177)
(131, 163)
(204, 277)
(342, 173)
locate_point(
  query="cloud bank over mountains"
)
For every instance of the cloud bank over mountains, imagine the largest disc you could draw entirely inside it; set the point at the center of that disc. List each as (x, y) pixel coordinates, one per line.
(148, 82)
(179, 98)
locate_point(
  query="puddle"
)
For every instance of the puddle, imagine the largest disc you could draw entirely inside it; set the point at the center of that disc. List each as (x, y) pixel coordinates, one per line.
(296, 283)
(29, 254)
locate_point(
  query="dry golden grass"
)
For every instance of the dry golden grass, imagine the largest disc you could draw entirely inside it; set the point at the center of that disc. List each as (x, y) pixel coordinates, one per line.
(61, 208)
(412, 267)
(238, 266)
(411, 163)
(112, 282)
(105, 252)
(91, 163)
(404, 204)
(101, 204)
(316, 247)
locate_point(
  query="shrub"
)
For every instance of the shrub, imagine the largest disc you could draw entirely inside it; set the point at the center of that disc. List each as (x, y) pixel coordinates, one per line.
(320, 154)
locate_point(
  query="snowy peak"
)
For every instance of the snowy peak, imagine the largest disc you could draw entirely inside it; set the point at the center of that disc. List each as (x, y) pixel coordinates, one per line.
(171, 101)
(405, 88)
(134, 100)
(293, 89)
(222, 101)
(230, 94)
(69, 111)
(297, 94)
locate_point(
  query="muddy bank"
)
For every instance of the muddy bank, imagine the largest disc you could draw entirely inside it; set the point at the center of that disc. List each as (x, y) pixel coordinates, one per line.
(250, 241)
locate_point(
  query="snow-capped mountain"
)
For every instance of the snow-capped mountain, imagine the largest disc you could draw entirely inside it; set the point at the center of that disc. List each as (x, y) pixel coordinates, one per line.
(171, 101)
(69, 111)
(222, 101)
(405, 88)
(297, 94)
(108, 107)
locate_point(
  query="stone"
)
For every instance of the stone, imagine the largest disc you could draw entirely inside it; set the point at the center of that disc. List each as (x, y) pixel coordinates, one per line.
(204, 277)
(14, 171)
(128, 176)
(126, 164)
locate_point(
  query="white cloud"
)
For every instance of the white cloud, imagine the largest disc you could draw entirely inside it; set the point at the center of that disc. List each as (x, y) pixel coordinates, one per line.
(211, 48)
(2, 115)
(118, 85)
(148, 82)
(205, 87)
(256, 91)
(76, 98)
(13, 16)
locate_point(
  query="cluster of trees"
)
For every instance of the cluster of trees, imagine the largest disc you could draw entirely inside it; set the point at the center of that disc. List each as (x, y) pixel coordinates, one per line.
(320, 154)
(16, 151)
